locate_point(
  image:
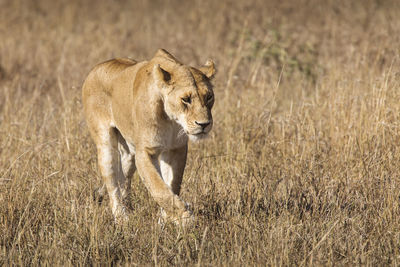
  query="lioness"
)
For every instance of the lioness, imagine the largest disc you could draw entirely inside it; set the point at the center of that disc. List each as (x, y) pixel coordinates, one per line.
(140, 115)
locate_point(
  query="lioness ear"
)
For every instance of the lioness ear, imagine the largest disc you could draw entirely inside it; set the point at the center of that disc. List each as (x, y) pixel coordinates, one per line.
(165, 54)
(161, 75)
(208, 69)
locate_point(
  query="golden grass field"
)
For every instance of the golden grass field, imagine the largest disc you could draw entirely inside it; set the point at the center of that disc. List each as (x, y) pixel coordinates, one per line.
(303, 163)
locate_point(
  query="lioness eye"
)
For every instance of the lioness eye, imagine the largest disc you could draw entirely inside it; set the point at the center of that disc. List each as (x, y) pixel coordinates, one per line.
(209, 98)
(186, 100)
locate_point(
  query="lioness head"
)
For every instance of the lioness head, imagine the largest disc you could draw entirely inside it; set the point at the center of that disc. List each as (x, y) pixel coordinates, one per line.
(187, 93)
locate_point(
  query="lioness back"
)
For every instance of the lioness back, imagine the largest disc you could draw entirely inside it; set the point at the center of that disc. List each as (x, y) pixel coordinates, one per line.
(105, 72)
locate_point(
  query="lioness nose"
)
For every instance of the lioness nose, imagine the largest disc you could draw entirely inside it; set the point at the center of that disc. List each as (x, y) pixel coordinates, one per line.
(203, 124)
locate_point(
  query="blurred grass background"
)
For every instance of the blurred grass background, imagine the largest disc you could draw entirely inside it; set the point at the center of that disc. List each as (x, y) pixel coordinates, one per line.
(302, 166)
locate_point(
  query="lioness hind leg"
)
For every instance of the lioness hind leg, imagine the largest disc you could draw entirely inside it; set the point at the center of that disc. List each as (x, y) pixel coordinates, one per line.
(111, 170)
(127, 159)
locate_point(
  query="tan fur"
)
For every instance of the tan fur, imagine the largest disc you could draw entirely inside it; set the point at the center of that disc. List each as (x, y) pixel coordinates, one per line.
(140, 115)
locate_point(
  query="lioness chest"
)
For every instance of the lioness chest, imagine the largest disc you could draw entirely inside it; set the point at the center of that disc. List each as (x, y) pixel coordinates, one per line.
(161, 139)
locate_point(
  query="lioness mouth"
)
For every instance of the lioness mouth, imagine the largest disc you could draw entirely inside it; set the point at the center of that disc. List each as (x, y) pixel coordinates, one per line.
(201, 134)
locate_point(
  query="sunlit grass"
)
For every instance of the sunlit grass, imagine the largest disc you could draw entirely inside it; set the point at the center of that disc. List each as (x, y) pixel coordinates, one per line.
(301, 167)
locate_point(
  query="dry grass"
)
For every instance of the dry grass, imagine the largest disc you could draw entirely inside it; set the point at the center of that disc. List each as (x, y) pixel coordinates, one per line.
(302, 167)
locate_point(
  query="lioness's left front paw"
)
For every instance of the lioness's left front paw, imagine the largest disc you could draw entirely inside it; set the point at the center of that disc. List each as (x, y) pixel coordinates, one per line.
(185, 219)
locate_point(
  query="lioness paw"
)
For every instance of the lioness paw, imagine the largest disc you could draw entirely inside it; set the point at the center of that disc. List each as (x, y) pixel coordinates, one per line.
(185, 219)
(120, 215)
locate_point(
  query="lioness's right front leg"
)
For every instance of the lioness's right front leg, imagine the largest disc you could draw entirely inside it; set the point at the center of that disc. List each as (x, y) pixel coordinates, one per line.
(148, 168)
(111, 171)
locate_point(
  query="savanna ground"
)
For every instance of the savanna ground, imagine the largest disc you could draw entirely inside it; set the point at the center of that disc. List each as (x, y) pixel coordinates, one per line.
(303, 163)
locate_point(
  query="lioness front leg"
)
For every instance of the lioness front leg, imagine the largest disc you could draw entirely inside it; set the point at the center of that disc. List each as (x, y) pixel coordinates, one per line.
(147, 165)
(111, 170)
(172, 165)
